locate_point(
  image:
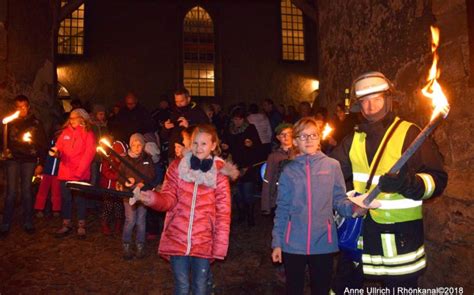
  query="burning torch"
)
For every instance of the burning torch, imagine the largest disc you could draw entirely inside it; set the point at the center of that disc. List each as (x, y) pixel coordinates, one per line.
(110, 161)
(135, 171)
(433, 91)
(6, 153)
(326, 131)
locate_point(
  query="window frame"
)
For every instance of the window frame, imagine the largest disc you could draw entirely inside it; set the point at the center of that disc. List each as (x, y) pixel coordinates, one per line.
(199, 62)
(305, 41)
(70, 55)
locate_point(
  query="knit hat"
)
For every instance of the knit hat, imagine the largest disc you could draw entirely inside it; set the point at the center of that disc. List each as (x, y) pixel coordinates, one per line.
(96, 108)
(137, 137)
(281, 127)
(81, 113)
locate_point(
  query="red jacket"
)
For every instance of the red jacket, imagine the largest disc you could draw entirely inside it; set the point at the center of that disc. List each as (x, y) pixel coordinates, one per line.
(198, 221)
(109, 174)
(76, 149)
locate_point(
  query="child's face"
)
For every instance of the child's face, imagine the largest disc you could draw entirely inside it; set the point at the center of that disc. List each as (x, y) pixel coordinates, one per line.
(308, 140)
(100, 116)
(202, 145)
(136, 147)
(286, 137)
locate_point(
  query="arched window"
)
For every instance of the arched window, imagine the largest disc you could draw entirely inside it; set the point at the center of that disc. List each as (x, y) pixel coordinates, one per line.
(198, 53)
(292, 32)
(71, 32)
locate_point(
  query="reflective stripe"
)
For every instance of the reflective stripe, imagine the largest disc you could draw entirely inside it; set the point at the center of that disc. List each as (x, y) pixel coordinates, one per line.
(364, 177)
(388, 245)
(399, 259)
(264, 180)
(429, 184)
(360, 243)
(397, 270)
(399, 204)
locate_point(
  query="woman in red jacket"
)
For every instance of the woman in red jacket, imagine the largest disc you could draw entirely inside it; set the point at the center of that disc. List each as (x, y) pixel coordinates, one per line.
(196, 194)
(76, 149)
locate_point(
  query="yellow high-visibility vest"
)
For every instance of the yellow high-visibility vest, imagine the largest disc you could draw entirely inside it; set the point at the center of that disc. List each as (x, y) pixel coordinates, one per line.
(394, 207)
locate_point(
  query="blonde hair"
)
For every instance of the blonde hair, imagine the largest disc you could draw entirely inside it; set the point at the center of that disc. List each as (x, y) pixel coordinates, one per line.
(211, 130)
(84, 121)
(304, 123)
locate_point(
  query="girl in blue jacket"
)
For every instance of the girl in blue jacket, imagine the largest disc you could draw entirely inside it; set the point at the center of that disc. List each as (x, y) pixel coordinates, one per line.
(304, 232)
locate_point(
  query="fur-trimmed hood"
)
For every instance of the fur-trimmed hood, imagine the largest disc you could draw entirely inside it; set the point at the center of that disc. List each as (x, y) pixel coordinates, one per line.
(208, 178)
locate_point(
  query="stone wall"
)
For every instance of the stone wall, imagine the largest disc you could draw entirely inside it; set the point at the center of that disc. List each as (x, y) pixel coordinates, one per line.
(393, 37)
(136, 45)
(26, 65)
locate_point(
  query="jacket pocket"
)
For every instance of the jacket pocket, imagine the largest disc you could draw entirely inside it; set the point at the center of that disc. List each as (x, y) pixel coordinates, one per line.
(329, 226)
(288, 231)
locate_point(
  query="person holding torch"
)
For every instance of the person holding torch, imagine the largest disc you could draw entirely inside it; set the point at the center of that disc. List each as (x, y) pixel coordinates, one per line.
(392, 234)
(76, 149)
(27, 147)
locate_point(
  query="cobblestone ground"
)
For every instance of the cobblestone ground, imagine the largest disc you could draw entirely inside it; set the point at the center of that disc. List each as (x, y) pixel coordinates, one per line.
(43, 264)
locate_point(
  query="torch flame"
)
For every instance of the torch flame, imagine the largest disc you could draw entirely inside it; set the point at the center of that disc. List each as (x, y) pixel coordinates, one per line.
(432, 89)
(101, 149)
(326, 131)
(10, 118)
(105, 141)
(27, 137)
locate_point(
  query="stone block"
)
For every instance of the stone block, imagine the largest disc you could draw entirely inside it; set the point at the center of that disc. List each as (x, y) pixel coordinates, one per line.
(452, 62)
(460, 184)
(461, 134)
(440, 7)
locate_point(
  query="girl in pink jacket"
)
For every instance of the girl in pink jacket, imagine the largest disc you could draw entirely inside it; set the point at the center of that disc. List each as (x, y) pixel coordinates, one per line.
(196, 194)
(76, 149)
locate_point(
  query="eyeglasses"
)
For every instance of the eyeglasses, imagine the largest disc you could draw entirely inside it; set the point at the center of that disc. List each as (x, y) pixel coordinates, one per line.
(304, 137)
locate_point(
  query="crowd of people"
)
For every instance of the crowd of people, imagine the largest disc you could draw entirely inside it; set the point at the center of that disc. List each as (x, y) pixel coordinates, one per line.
(198, 164)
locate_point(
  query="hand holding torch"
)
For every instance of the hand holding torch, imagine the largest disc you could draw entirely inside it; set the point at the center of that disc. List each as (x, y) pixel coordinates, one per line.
(6, 153)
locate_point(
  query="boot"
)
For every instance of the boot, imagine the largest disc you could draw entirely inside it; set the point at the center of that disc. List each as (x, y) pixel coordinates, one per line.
(140, 251)
(106, 228)
(127, 251)
(65, 229)
(81, 229)
(250, 215)
(118, 227)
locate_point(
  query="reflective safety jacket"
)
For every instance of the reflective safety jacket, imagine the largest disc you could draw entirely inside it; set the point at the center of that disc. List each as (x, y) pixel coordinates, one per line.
(392, 238)
(394, 207)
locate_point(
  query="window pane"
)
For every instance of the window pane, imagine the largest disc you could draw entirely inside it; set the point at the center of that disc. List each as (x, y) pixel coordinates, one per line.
(71, 32)
(198, 48)
(292, 33)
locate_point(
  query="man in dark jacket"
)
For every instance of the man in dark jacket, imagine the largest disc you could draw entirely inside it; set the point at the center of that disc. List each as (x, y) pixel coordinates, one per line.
(133, 118)
(25, 151)
(392, 237)
(184, 114)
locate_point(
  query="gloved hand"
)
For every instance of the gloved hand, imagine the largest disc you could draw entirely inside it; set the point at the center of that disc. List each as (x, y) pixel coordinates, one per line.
(396, 183)
(147, 198)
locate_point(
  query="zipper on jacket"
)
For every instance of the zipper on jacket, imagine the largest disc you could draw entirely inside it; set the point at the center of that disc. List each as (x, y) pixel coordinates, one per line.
(191, 219)
(308, 187)
(288, 230)
(329, 231)
(55, 161)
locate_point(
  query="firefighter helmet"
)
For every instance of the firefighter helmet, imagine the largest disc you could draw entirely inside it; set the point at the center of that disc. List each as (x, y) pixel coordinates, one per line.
(368, 84)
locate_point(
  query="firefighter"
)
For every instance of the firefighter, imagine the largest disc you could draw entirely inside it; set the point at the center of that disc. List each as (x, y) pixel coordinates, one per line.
(392, 236)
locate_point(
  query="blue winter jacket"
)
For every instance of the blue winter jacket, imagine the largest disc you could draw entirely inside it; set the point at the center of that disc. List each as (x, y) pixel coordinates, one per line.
(310, 187)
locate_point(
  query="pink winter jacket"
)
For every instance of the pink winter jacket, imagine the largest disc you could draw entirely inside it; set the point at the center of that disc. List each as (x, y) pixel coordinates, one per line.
(199, 205)
(76, 149)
